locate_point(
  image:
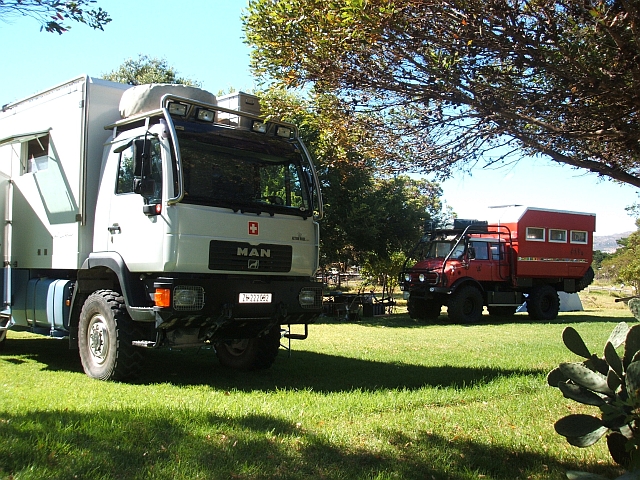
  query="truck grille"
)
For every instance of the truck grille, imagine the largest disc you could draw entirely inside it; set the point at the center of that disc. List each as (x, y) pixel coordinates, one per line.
(244, 257)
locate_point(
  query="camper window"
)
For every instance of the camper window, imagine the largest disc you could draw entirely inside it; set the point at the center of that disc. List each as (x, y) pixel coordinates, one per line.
(535, 234)
(578, 236)
(558, 236)
(37, 154)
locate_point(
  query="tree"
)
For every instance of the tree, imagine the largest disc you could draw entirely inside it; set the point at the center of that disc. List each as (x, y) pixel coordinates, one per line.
(53, 14)
(369, 215)
(624, 264)
(144, 70)
(453, 83)
(598, 257)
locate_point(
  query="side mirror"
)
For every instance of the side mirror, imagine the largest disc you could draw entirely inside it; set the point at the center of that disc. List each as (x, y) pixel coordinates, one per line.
(145, 186)
(140, 157)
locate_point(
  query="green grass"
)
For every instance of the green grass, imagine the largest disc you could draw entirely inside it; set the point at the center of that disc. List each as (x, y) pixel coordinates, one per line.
(383, 398)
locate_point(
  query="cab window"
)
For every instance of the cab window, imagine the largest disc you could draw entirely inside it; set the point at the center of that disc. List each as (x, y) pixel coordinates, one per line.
(152, 170)
(481, 250)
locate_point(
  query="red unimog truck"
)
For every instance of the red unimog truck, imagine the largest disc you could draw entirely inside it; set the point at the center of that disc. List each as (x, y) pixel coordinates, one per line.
(528, 255)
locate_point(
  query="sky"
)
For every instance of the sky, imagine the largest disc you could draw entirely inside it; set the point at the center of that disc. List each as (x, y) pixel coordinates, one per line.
(204, 41)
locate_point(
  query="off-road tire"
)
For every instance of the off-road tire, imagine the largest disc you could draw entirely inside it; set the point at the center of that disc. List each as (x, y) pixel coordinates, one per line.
(105, 335)
(465, 305)
(421, 309)
(543, 303)
(250, 353)
(502, 311)
(586, 280)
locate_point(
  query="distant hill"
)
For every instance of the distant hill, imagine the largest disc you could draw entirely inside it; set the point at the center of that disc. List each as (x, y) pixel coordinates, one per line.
(607, 243)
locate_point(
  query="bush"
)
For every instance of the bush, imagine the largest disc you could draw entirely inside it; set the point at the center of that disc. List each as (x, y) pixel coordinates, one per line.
(610, 383)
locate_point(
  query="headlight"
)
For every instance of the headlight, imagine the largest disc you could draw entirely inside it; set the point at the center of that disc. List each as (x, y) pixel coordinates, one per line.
(310, 298)
(179, 109)
(259, 127)
(188, 297)
(407, 277)
(421, 277)
(205, 115)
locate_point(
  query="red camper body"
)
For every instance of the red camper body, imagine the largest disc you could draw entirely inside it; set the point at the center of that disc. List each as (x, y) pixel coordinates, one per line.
(526, 255)
(551, 243)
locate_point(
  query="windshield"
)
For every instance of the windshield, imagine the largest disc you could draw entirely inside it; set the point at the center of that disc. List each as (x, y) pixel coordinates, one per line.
(440, 249)
(242, 170)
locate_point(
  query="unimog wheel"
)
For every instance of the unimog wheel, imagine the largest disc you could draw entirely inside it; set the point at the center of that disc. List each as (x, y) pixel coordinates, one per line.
(250, 353)
(543, 303)
(465, 305)
(421, 309)
(105, 333)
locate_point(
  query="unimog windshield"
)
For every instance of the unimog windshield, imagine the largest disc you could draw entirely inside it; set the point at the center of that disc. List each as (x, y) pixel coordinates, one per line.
(441, 248)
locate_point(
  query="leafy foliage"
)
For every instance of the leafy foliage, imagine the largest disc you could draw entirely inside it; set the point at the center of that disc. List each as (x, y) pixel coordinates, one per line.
(610, 383)
(53, 14)
(451, 83)
(598, 257)
(369, 216)
(624, 264)
(145, 69)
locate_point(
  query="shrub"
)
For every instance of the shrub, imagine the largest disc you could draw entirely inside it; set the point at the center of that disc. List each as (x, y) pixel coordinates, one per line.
(610, 383)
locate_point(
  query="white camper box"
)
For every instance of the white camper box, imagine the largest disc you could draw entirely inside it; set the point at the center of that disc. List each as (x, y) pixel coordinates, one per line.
(49, 183)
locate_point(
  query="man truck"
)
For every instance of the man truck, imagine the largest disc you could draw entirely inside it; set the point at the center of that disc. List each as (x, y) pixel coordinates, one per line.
(527, 256)
(156, 216)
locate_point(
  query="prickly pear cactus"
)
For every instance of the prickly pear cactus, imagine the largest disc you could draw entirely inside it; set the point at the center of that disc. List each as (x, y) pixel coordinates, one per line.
(634, 306)
(611, 383)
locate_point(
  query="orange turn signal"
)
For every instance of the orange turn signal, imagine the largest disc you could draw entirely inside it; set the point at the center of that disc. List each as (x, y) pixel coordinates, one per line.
(162, 297)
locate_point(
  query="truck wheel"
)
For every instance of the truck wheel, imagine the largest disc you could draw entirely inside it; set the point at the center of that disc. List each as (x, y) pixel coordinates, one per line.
(465, 305)
(543, 303)
(250, 353)
(586, 280)
(506, 311)
(420, 309)
(105, 333)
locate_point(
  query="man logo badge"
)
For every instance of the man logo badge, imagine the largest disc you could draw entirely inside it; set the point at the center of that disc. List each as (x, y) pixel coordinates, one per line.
(253, 264)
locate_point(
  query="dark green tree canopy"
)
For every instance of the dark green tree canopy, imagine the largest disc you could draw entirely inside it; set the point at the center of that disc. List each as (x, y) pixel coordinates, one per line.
(456, 82)
(368, 215)
(145, 69)
(53, 15)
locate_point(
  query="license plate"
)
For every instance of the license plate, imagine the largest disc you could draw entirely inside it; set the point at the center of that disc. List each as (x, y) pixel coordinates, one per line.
(255, 298)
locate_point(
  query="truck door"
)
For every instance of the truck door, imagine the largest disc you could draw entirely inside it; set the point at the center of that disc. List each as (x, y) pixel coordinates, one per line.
(135, 235)
(500, 262)
(480, 264)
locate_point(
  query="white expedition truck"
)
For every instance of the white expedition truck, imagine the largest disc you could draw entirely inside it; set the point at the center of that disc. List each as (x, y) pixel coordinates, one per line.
(155, 216)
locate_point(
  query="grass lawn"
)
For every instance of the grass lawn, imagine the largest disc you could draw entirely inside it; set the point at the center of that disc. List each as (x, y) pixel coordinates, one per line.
(382, 398)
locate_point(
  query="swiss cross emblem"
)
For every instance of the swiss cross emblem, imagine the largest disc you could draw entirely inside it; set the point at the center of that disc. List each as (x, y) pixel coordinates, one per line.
(253, 228)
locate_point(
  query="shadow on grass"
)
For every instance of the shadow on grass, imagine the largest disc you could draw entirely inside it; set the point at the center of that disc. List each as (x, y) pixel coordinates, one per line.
(301, 370)
(404, 321)
(165, 444)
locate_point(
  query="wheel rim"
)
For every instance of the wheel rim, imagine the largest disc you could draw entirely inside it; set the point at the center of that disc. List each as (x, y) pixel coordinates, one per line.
(468, 306)
(545, 304)
(98, 339)
(238, 347)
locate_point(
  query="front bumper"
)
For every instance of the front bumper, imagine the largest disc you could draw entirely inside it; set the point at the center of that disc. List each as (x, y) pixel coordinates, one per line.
(216, 302)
